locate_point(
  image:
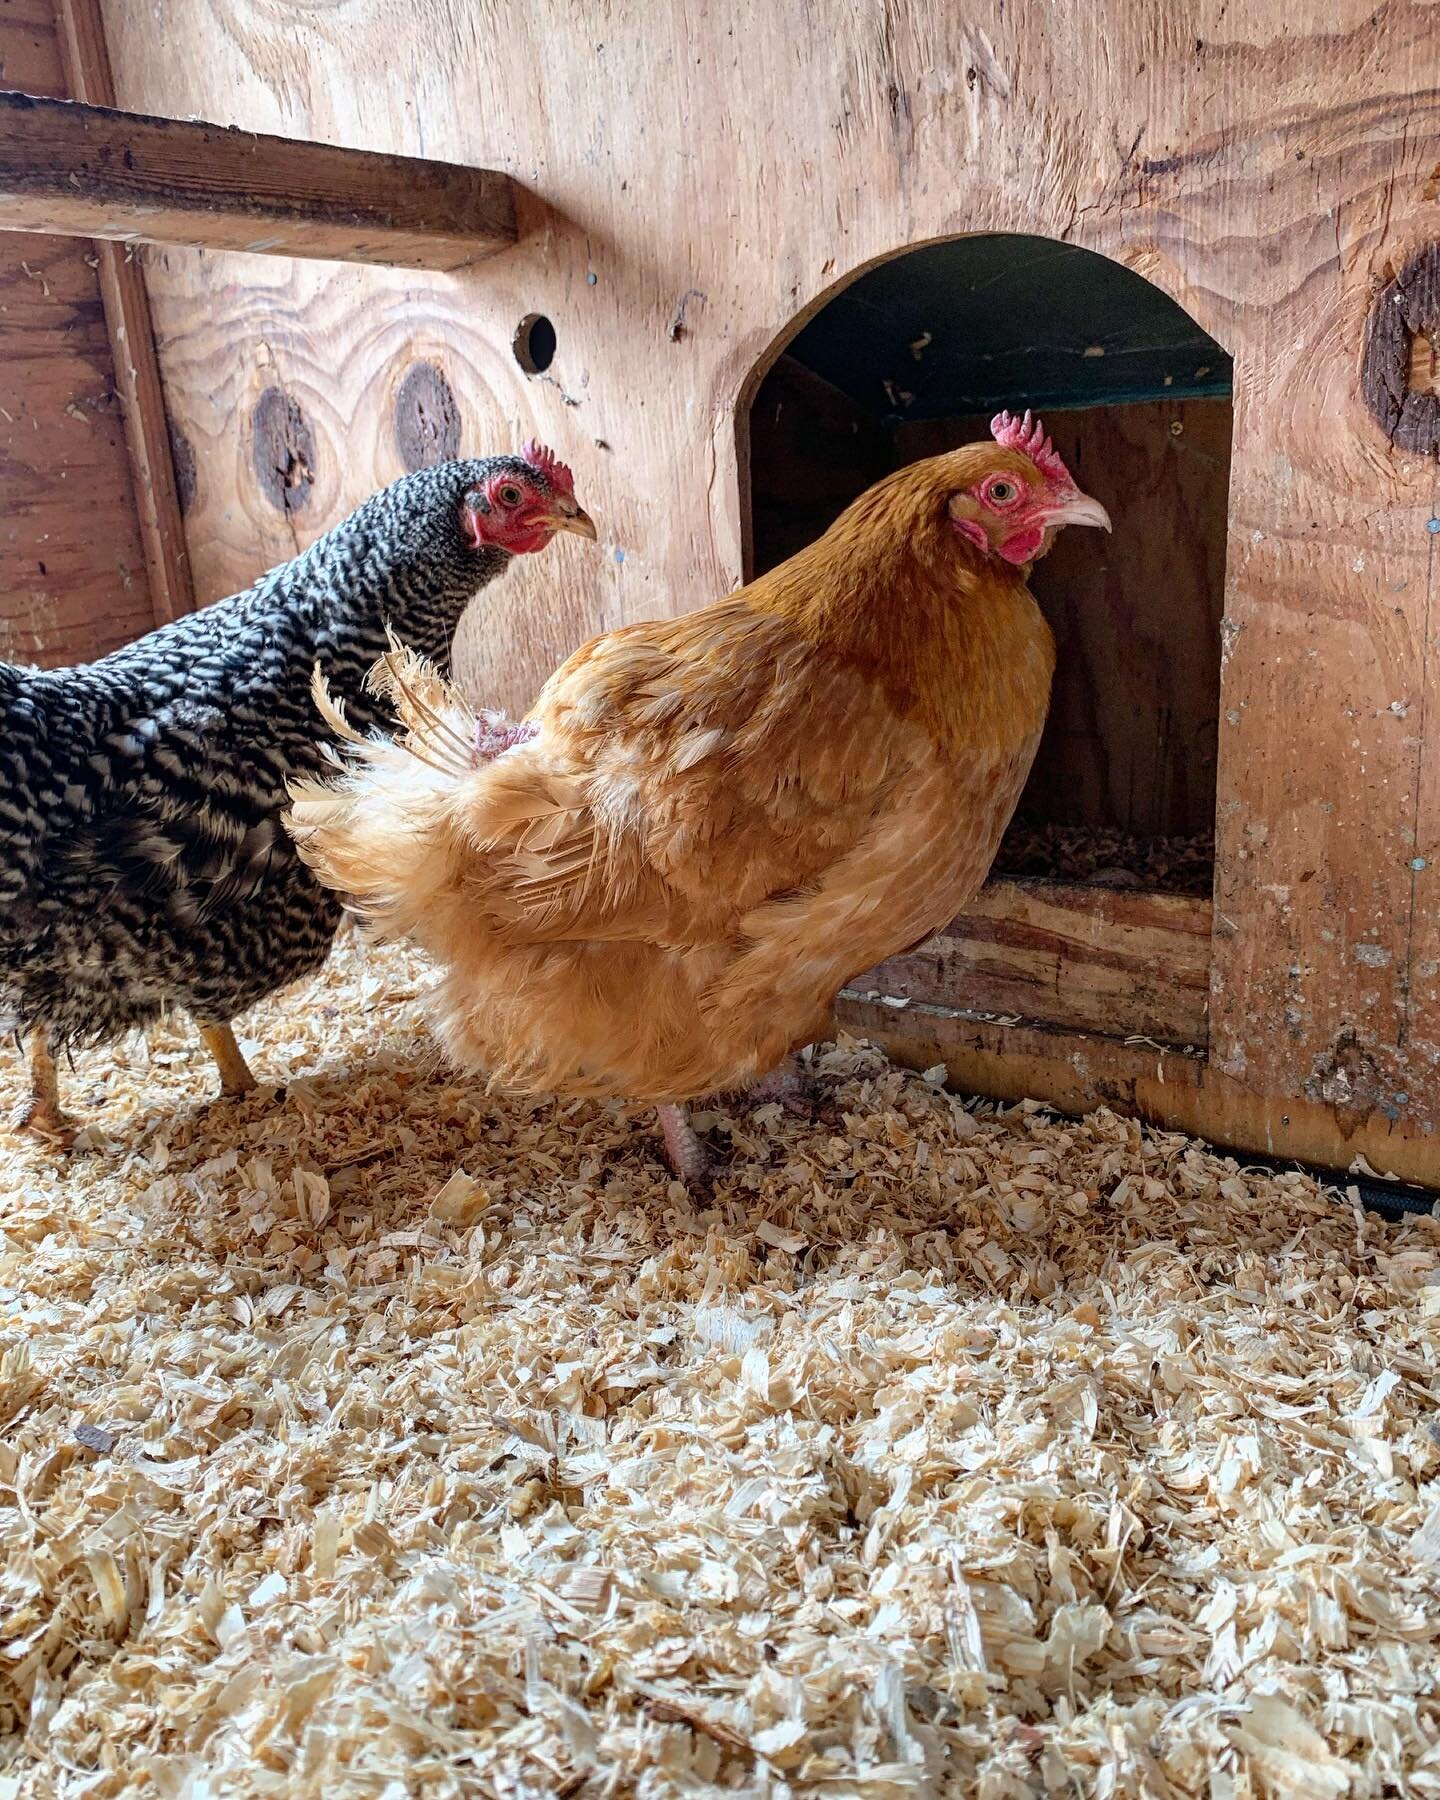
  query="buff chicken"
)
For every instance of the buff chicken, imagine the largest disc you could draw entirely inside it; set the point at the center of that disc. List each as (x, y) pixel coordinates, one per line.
(655, 884)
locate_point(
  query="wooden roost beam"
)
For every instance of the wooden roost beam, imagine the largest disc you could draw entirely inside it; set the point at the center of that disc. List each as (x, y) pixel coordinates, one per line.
(94, 171)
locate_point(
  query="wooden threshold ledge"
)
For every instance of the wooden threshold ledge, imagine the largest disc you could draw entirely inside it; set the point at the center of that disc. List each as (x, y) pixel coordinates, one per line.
(94, 171)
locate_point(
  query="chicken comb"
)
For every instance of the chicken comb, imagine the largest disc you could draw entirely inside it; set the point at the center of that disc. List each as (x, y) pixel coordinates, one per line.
(1027, 435)
(550, 466)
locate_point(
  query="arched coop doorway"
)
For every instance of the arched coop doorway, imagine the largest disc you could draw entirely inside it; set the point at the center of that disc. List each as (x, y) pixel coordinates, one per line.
(914, 357)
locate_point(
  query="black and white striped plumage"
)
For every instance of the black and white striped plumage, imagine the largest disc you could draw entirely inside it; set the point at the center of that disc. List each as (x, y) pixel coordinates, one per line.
(142, 860)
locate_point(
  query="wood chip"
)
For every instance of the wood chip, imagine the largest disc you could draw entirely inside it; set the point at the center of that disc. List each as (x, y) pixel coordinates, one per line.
(1107, 856)
(958, 1449)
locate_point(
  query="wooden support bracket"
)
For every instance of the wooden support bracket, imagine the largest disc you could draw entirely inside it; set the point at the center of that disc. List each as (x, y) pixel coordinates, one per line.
(132, 343)
(81, 170)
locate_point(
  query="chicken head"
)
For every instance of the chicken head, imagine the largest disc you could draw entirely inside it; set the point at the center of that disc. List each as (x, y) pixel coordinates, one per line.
(522, 502)
(1015, 497)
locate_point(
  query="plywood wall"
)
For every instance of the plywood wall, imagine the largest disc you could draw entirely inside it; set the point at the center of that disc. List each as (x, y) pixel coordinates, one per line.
(698, 176)
(72, 571)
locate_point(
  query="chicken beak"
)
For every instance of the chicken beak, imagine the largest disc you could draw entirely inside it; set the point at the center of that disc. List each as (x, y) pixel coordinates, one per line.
(575, 518)
(1080, 509)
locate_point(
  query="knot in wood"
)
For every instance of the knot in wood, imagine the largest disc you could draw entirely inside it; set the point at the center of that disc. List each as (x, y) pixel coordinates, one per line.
(427, 418)
(284, 451)
(182, 454)
(1397, 376)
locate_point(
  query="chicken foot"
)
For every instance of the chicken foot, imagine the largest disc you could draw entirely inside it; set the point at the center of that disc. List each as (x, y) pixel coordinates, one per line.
(235, 1076)
(39, 1112)
(495, 734)
(789, 1084)
(684, 1152)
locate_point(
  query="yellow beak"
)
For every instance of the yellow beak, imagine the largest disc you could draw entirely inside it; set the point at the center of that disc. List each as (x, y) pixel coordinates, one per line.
(1082, 510)
(567, 516)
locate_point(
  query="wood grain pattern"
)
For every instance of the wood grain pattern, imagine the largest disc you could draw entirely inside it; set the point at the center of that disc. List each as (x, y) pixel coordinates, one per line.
(1271, 169)
(132, 346)
(72, 568)
(80, 170)
(1094, 959)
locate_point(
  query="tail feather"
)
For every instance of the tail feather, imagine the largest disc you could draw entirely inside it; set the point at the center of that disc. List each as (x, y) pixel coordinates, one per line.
(439, 725)
(379, 832)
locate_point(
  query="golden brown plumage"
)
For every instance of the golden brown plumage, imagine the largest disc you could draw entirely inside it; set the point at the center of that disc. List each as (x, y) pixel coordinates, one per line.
(714, 821)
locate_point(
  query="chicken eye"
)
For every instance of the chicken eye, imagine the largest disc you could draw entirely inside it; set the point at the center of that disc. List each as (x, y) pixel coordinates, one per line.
(509, 495)
(1001, 492)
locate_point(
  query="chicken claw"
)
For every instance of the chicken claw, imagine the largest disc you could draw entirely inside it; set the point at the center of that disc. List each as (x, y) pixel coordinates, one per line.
(39, 1114)
(791, 1085)
(788, 1083)
(495, 734)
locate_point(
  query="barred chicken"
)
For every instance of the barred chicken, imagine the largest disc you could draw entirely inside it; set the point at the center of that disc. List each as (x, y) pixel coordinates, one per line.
(142, 864)
(654, 886)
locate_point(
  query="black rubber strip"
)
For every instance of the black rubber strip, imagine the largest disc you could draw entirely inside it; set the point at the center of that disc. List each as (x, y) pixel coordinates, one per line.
(1393, 1200)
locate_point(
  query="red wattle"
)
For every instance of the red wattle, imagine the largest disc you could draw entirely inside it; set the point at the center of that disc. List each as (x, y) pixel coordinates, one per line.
(1022, 545)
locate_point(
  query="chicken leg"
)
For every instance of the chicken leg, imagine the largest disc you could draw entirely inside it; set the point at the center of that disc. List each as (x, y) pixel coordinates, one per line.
(235, 1076)
(40, 1112)
(683, 1150)
(788, 1083)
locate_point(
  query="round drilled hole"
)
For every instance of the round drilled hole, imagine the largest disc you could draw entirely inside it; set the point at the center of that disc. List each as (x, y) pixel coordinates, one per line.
(534, 343)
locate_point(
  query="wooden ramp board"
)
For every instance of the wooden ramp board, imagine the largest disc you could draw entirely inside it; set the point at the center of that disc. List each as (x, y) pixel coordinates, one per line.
(1112, 961)
(94, 171)
(1161, 1084)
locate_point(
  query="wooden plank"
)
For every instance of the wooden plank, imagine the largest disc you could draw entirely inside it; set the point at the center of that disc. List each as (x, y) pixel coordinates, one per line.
(1164, 1086)
(92, 171)
(72, 568)
(132, 344)
(1115, 962)
(1236, 163)
(1324, 988)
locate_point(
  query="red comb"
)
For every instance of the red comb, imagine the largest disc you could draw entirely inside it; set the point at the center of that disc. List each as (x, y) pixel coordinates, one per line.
(1027, 435)
(551, 467)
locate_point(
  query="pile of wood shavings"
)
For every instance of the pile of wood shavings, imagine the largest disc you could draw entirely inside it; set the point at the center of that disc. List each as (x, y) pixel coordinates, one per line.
(1108, 857)
(400, 1440)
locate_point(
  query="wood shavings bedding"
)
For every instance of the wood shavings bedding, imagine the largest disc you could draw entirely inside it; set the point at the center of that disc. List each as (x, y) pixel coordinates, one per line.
(1108, 857)
(399, 1439)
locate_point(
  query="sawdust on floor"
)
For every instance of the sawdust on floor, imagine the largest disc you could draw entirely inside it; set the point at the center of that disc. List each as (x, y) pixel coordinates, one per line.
(400, 1439)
